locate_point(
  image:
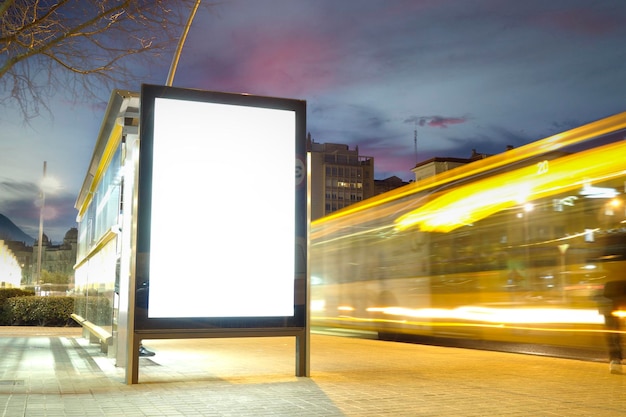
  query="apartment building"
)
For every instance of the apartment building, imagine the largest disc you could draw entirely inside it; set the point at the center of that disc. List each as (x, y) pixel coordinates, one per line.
(339, 177)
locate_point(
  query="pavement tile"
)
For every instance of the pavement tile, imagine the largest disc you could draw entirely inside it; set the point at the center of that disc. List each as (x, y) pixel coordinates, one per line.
(55, 372)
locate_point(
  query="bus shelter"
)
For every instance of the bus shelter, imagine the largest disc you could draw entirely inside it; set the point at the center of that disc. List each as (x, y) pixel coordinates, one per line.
(192, 224)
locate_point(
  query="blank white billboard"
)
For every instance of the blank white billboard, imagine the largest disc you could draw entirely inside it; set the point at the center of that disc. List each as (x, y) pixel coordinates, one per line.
(222, 214)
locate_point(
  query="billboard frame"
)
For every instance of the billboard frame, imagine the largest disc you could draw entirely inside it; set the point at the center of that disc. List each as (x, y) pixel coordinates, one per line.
(142, 326)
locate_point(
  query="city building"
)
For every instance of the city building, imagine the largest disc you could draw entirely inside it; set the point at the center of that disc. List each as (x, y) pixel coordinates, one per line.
(24, 255)
(56, 258)
(339, 177)
(437, 165)
(388, 184)
(10, 271)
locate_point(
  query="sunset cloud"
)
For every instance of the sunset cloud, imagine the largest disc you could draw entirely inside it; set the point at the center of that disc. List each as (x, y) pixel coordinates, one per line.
(436, 121)
(458, 75)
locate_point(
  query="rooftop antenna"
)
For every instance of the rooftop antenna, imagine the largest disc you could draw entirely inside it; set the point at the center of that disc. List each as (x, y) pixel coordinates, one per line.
(415, 141)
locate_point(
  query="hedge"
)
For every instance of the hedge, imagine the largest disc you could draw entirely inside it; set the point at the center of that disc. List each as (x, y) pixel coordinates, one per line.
(13, 292)
(96, 309)
(41, 311)
(22, 308)
(5, 310)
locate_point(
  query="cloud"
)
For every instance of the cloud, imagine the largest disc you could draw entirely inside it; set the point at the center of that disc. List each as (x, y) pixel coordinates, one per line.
(98, 107)
(21, 204)
(17, 190)
(476, 74)
(436, 121)
(563, 125)
(581, 21)
(286, 59)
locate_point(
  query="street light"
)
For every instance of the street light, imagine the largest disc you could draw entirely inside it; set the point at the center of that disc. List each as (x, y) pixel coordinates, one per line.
(181, 43)
(49, 185)
(42, 194)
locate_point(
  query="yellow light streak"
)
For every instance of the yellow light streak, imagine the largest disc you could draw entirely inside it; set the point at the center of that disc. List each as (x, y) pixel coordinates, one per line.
(478, 200)
(417, 326)
(345, 217)
(499, 315)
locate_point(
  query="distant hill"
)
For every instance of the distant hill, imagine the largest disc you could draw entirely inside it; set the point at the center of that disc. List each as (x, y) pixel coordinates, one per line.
(9, 231)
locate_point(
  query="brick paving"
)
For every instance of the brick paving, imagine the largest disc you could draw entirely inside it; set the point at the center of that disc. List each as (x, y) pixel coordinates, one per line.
(55, 372)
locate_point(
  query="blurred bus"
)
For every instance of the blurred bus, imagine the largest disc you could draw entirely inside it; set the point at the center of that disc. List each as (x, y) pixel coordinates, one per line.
(512, 248)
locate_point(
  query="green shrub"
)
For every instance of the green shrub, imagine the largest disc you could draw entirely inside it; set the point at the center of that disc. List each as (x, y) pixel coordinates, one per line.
(22, 308)
(80, 305)
(13, 292)
(96, 309)
(100, 311)
(6, 294)
(41, 311)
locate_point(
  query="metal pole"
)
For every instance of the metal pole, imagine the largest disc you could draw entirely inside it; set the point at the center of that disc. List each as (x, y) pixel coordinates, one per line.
(181, 43)
(42, 194)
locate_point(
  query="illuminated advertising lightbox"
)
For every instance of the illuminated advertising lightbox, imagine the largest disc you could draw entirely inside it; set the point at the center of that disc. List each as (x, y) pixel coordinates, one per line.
(220, 209)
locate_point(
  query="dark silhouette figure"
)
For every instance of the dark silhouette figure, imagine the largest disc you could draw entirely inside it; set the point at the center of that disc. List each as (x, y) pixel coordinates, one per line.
(613, 300)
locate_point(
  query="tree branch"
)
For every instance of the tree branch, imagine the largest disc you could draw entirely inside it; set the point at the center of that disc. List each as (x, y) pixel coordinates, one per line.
(77, 47)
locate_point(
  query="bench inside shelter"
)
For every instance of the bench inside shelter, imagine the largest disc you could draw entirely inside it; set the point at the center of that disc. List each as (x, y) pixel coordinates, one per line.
(95, 333)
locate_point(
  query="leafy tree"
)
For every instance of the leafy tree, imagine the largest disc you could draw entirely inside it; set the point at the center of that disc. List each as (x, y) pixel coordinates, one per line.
(80, 47)
(48, 277)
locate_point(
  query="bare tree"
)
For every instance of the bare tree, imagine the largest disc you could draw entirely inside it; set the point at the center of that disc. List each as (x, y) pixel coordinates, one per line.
(79, 47)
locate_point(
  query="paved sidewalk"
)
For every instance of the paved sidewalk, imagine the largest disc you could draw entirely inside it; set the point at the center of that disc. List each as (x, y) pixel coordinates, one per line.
(55, 372)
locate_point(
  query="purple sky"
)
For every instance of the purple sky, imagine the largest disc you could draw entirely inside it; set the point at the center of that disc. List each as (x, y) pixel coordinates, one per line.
(466, 75)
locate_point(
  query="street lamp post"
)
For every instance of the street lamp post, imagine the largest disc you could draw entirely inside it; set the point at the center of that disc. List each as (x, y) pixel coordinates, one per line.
(181, 43)
(42, 194)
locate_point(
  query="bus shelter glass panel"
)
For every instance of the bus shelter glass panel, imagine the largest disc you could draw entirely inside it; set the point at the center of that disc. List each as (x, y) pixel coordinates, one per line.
(97, 248)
